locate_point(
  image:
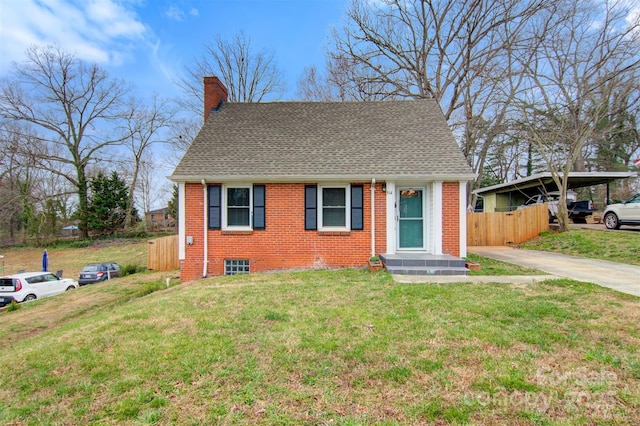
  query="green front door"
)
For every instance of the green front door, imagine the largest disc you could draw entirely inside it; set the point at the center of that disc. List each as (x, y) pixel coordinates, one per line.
(410, 219)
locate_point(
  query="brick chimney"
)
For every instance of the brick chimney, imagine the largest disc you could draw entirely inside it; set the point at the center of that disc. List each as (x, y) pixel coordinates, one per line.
(214, 94)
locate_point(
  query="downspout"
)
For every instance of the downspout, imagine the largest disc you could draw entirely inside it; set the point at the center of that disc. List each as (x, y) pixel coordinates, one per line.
(373, 217)
(205, 249)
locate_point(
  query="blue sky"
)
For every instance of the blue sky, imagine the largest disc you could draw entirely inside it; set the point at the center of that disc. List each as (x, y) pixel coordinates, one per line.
(148, 42)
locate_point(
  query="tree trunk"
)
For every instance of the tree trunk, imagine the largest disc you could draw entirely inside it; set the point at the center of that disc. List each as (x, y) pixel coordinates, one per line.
(134, 181)
(83, 205)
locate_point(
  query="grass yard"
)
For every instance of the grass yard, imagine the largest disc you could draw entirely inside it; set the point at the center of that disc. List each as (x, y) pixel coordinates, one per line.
(326, 348)
(494, 267)
(71, 259)
(616, 246)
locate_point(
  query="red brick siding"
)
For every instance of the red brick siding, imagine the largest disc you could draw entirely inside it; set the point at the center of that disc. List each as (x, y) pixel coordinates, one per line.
(191, 267)
(451, 218)
(214, 93)
(284, 244)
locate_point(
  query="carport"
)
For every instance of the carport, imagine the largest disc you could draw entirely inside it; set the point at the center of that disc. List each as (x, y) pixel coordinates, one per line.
(508, 196)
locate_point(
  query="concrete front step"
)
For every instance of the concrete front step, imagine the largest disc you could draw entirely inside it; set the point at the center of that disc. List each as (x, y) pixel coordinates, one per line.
(423, 264)
(423, 270)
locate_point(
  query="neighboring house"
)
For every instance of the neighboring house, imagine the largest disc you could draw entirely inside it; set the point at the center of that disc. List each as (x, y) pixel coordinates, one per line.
(159, 218)
(282, 185)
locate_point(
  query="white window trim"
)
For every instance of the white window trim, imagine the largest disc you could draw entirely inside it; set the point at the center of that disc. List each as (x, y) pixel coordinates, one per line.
(347, 192)
(224, 212)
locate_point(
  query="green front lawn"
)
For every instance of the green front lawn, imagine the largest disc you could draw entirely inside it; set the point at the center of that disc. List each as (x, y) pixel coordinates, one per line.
(494, 267)
(616, 246)
(328, 348)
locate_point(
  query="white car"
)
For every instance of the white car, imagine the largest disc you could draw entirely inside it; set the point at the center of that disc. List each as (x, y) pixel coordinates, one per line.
(28, 286)
(626, 213)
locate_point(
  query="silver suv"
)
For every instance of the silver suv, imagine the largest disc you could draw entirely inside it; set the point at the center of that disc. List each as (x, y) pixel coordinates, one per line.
(625, 213)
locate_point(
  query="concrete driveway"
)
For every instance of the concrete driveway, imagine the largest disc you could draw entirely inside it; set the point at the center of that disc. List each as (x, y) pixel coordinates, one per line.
(617, 276)
(600, 227)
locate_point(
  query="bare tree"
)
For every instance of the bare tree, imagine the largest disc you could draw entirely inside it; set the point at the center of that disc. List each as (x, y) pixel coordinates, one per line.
(483, 60)
(147, 176)
(422, 49)
(249, 76)
(617, 148)
(345, 80)
(454, 52)
(483, 123)
(584, 54)
(144, 125)
(181, 133)
(75, 105)
(313, 86)
(33, 199)
(11, 173)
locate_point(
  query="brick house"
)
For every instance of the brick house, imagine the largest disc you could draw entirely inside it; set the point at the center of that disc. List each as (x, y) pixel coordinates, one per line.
(159, 219)
(282, 185)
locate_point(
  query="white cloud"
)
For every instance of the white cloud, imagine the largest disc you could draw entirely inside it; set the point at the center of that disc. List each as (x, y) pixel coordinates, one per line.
(114, 20)
(95, 30)
(155, 57)
(175, 13)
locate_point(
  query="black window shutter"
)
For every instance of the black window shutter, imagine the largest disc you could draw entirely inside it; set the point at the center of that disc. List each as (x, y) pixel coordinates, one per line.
(357, 211)
(259, 207)
(310, 207)
(215, 205)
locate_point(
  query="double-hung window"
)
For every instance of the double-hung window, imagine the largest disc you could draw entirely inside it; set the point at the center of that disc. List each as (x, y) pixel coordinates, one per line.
(236, 207)
(333, 207)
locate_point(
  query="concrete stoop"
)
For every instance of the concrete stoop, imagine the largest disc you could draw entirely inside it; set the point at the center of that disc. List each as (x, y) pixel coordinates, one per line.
(423, 264)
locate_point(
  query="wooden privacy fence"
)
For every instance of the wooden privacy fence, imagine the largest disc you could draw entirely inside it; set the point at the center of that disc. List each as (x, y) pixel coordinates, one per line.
(163, 254)
(502, 228)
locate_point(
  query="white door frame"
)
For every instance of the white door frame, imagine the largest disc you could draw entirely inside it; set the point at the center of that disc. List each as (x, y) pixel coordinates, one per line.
(432, 216)
(424, 218)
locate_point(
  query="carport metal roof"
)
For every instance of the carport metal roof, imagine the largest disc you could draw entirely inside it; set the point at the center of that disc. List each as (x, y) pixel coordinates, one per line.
(533, 184)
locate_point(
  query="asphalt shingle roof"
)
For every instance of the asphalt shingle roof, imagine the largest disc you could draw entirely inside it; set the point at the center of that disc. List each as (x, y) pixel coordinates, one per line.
(296, 141)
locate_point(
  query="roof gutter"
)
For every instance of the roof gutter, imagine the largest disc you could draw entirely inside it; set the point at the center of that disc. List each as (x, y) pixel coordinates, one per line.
(418, 178)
